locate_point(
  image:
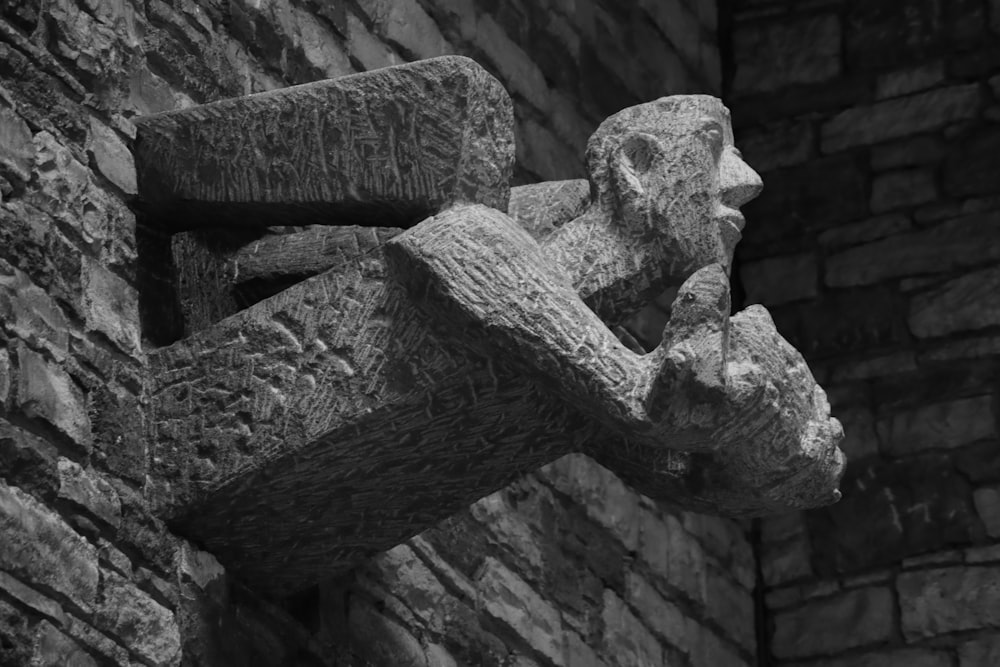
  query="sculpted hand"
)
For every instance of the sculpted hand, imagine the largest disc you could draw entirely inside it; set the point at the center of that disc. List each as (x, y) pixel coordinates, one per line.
(738, 395)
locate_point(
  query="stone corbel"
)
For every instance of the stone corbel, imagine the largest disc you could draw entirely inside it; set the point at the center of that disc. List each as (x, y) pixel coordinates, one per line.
(408, 373)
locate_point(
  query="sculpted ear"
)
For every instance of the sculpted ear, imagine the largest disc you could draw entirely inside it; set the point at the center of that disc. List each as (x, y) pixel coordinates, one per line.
(631, 162)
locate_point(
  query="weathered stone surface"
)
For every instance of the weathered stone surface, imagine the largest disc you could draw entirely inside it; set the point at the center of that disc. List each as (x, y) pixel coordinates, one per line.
(934, 602)
(144, 625)
(908, 152)
(786, 561)
(46, 391)
(341, 153)
(849, 619)
(869, 230)
(950, 245)
(508, 599)
(987, 502)
(873, 525)
(909, 80)
(606, 499)
(90, 491)
(808, 49)
(942, 425)
(970, 169)
(407, 344)
(672, 554)
(31, 314)
(902, 189)
(899, 117)
(780, 280)
(969, 302)
(915, 657)
(16, 151)
(877, 38)
(803, 198)
(40, 548)
(779, 144)
(54, 648)
(111, 306)
(979, 651)
(543, 207)
(660, 614)
(112, 157)
(626, 639)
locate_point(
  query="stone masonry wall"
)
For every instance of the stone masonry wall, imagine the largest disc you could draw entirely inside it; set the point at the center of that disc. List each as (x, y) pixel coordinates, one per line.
(567, 567)
(876, 245)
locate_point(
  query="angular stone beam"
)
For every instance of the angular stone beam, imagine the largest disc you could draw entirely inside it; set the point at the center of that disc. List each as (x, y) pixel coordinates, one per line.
(387, 147)
(335, 420)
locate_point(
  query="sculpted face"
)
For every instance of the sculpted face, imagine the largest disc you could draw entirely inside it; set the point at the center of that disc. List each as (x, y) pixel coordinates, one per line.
(675, 181)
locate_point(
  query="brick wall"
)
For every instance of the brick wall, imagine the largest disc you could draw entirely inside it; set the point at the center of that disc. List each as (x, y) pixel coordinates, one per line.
(567, 567)
(876, 244)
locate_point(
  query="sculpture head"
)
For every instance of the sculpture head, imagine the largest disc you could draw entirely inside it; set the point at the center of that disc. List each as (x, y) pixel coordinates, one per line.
(668, 174)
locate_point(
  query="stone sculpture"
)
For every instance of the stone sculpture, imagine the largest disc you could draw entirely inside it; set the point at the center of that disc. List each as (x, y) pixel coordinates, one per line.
(432, 360)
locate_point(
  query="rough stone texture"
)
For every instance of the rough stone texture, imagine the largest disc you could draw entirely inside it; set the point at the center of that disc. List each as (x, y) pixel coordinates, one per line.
(966, 303)
(74, 76)
(809, 50)
(934, 602)
(416, 349)
(852, 619)
(41, 548)
(942, 425)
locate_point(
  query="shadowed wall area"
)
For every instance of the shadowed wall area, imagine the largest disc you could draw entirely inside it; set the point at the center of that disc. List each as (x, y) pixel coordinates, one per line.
(875, 245)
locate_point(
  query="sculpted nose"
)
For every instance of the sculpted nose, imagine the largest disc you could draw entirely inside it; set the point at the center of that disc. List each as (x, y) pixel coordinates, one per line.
(738, 182)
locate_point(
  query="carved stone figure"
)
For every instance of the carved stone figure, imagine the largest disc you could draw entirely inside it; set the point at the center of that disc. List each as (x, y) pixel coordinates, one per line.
(419, 370)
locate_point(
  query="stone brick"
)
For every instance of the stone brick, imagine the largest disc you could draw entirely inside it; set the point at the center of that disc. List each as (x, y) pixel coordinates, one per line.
(111, 306)
(987, 554)
(16, 149)
(908, 152)
(370, 51)
(732, 608)
(778, 280)
(54, 648)
(46, 391)
(672, 555)
(382, 639)
(42, 550)
(90, 491)
(664, 617)
(877, 38)
(980, 651)
(947, 246)
(909, 80)
(607, 500)
(848, 620)
(679, 24)
(859, 433)
(509, 600)
(517, 70)
(786, 561)
(939, 426)
(5, 379)
(778, 144)
(935, 602)
(808, 50)
(799, 199)
(579, 653)
(969, 302)
(31, 314)
(140, 622)
(627, 642)
(877, 366)
(899, 117)
(844, 321)
(874, 525)
(971, 167)
(902, 188)
(869, 230)
(709, 649)
(988, 507)
(112, 157)
(970, 348)
(908, 657)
